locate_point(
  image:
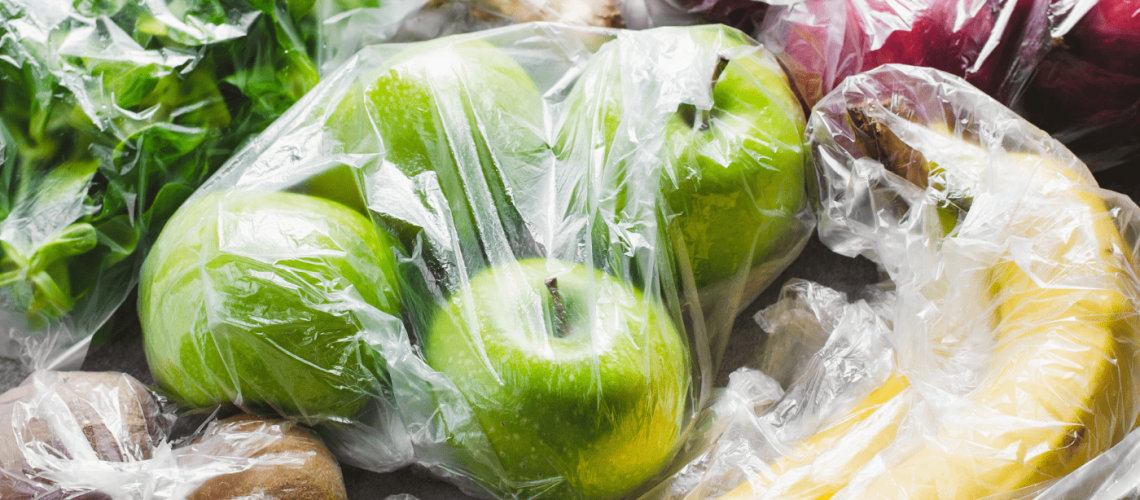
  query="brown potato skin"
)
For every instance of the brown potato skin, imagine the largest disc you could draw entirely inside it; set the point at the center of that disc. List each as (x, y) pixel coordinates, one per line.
(120, 419)
(301, 468)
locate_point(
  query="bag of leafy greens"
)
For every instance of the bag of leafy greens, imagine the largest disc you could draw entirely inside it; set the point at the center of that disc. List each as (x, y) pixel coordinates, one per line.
(112, 113)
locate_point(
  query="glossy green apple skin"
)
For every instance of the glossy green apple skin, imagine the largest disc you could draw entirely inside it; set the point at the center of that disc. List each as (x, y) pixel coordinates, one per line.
(739, 183)
(731, 190)
(591, 414)
(339, 184)
(253, 298)
(465, 110)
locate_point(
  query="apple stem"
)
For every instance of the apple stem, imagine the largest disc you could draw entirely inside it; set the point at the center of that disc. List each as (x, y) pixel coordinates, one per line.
(706, 114)
(559, 307)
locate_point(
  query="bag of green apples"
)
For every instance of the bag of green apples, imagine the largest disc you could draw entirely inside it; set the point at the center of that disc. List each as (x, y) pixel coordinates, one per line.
(111, 113)
(511, 257)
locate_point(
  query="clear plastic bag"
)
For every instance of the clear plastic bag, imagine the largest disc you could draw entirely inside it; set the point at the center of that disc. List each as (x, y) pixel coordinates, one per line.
(1114, 475)
(55, 419)
(112, 113)
(247, 457)
(838, 355)
(1012, 324)
(512, 257)
(345, 26)
(86, 435)
(994, 44)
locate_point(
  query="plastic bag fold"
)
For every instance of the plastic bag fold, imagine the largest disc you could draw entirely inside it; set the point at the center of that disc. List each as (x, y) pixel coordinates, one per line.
(1012, 323)
(1069, 67)
(830, 356)
(57, 418)
(568, 221)
(345, 26)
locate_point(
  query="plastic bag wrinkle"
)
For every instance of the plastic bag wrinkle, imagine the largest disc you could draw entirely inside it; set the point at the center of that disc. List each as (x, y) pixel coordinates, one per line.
(104, 435)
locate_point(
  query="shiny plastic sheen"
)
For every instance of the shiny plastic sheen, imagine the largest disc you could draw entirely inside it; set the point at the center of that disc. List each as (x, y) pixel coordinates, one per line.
(994, 44)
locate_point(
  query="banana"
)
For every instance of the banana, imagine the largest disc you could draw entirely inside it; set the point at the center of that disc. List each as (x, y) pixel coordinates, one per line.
(1053, 398)
(1058, 390)
(825, 462)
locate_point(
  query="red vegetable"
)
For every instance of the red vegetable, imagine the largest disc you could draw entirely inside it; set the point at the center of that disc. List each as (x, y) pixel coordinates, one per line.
(986, 41)
(1109, 36)
(1087, 90)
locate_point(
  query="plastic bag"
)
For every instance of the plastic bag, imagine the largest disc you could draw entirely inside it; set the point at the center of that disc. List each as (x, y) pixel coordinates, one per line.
(834, 353)
(994, 44)
(745, 15)
(104, 435)
(1012, 323)
(56, 418)
(348, 26)
(1115, 475)
(249, 457)
(112, 113)
(1087, 89)
(345, 26)
(369, 264)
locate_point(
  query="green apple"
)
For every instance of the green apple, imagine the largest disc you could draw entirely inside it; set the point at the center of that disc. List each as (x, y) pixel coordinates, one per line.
(464, 110)
(738, 169)
(732, 177)
(579, 381)
(339, 184)
(259, 299)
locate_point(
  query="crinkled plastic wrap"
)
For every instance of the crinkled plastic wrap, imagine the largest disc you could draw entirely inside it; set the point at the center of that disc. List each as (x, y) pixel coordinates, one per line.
(1114, 475)
(83, 435)
(829, 354)
(111, 114)
(345, 26)
(55, 419)
(994, 44)
(999, 361)
(1087, 89)
(512, 257)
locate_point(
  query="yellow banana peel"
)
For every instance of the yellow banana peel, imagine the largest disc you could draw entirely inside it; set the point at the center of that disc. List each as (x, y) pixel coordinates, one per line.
(824, 463)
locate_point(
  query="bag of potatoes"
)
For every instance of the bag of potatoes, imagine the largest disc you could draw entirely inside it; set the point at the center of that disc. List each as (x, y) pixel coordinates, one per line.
(81, 435)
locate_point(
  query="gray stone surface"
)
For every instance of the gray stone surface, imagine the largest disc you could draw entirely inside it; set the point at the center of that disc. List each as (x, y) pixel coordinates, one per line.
(124, 351)
(11, 373)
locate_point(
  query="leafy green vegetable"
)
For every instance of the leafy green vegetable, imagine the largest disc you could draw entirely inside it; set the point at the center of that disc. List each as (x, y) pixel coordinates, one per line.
(111, 113)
